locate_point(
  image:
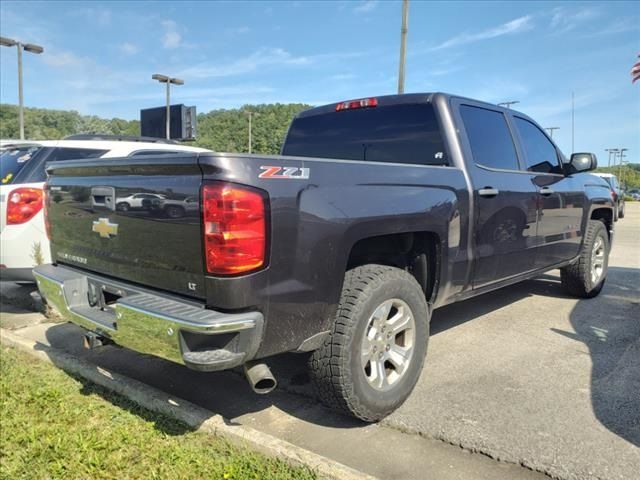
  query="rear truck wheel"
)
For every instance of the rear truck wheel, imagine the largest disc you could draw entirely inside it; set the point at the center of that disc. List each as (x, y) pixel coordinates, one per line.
(586, 277)
(373, 357)
(621, 212)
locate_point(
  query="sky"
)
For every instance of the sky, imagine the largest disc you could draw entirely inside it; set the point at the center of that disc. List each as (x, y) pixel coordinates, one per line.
(99, 57)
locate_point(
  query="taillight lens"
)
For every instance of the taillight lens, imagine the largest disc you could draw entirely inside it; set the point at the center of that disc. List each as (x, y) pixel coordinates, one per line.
(23, 204)
(353, 104)
(234, 219)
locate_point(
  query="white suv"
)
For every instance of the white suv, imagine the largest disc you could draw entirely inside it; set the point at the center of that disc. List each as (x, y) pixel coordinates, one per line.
(23, 239)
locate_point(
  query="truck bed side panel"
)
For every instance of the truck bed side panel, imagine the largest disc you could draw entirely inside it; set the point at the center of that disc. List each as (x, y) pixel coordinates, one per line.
(315, 223)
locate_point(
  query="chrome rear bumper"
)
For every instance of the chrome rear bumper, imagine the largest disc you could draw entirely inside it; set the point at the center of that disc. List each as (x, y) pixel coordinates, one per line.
(144, 321)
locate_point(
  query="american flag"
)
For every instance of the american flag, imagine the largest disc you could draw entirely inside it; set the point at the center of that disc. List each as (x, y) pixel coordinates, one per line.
(635, 71)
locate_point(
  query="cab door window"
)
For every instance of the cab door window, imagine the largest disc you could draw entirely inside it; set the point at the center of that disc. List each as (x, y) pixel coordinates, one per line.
(489, 137)
(541, 155)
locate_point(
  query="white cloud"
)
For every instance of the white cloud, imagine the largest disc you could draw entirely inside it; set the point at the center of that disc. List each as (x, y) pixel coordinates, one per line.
(621, 26)
(62, 59)
(171, 37)
(518, 25)
(240, 30)
(129, 48)
(564, 20)
(366, 6)
(262, 58)
(343, 76)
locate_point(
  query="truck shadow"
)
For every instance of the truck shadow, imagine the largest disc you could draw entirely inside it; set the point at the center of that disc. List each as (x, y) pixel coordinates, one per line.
(612, 336)
(609, 326)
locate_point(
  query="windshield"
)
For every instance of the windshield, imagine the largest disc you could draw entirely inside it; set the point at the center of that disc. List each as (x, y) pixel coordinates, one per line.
(12, 160)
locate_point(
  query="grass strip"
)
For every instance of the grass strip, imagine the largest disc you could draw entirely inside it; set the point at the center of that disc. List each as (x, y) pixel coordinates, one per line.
(54, 425)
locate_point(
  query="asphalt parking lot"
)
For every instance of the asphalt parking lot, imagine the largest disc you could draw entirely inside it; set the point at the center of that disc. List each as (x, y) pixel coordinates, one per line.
(524, 375)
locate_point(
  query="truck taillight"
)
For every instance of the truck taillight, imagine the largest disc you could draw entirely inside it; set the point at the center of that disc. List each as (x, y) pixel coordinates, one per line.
(23, 204)
(234, 220)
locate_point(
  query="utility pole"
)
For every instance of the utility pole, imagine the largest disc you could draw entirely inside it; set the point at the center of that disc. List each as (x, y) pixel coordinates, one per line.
(508, 104)
(403, 45)
(27, 47)
(573, 122)
(251, 114)
(622, 155)
(551, 129)
(168, 80)
(613, 151)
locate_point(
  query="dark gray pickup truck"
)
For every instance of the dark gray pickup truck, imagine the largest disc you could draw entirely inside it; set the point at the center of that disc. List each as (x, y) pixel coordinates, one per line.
(378, 211)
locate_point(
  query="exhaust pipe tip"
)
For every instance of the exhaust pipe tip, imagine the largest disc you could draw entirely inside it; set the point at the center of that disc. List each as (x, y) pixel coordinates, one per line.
(92, 340)
(260, 377)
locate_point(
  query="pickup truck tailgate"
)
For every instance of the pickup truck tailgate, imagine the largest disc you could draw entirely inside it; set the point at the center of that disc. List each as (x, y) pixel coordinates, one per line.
(135, 219)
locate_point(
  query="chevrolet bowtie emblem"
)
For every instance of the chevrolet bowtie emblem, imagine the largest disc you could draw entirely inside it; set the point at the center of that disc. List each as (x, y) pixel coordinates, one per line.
(105, 228)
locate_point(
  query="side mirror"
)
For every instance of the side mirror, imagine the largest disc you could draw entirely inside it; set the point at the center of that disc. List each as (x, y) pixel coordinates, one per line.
(582, 162)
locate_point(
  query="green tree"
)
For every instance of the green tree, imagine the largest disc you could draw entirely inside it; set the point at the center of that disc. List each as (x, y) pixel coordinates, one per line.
(220, 130)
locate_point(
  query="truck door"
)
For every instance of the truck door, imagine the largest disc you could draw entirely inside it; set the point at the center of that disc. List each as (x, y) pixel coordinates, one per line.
(505, 198)
(561, 198)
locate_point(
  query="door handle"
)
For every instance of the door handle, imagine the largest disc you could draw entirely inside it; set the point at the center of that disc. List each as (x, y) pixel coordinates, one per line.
(488, 192)
(546, 191)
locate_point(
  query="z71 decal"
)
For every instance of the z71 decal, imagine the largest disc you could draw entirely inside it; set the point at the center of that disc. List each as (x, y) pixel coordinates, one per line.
(288, 173)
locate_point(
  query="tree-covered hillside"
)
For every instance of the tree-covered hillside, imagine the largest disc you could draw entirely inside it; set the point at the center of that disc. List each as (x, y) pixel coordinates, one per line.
(628, 175)
(220, 130)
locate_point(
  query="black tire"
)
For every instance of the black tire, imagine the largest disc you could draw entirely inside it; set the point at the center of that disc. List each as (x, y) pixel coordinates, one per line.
(336, 369)
(621, 212)
(576, 278)
(123, 207)
(174, 211)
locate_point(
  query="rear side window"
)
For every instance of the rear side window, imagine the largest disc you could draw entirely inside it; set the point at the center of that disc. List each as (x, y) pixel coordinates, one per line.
(541, 155)
(406, 133)
(39, 174)
(490, 139)
(14, 160)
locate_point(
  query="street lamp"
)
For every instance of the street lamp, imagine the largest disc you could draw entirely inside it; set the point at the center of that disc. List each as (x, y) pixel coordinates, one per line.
(28, 47)
(551, 129)
(168, 80)
(615, 153)
(622, 155)
(250, 114)
(508, 104)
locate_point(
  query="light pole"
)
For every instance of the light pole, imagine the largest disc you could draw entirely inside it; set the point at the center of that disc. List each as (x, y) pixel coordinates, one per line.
(27, 47)
(168, 80)
(551, 129)
(615, 153)
(622, 155)
(403, 45)
(509, 103)
(250, 114)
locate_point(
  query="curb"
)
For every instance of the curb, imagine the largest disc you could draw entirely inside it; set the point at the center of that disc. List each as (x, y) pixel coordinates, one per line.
(198, 418)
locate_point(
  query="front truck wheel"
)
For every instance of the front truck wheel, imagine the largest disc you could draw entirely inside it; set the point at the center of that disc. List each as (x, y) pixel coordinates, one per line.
(586, 277)
(372, 360)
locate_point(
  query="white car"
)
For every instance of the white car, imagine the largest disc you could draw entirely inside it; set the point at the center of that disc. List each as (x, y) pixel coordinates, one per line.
(137, 200)
(23, 239)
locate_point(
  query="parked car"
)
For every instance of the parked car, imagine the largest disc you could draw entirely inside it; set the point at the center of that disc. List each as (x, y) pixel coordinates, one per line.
(23, 240)
(378, 211)
(616, 193)
(138, 200)
(634, 193)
